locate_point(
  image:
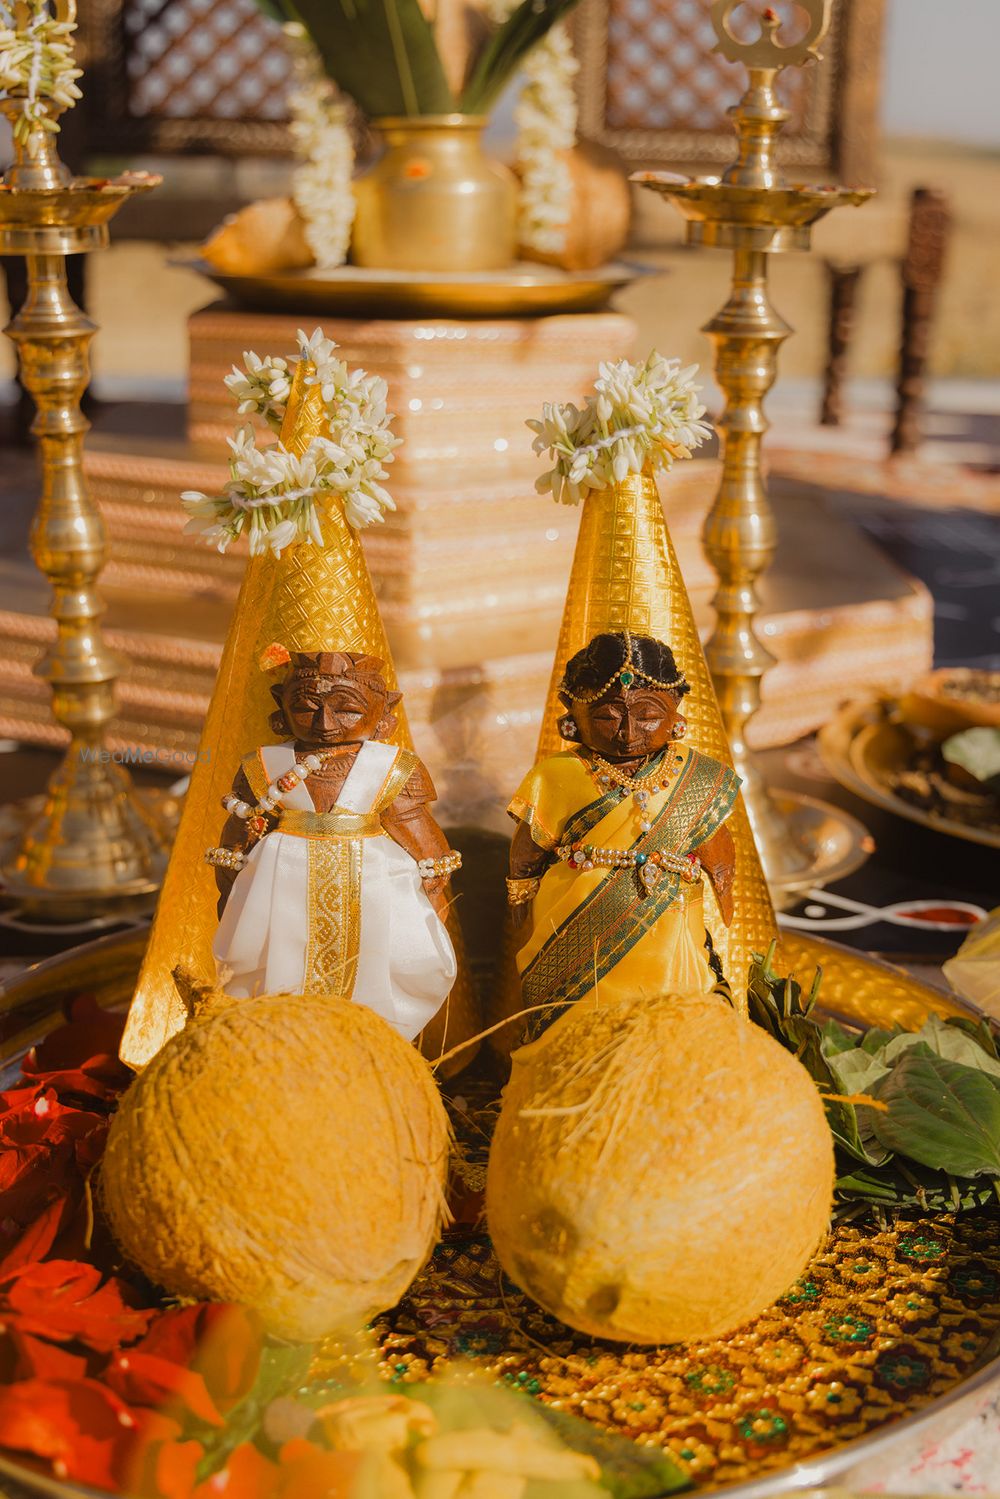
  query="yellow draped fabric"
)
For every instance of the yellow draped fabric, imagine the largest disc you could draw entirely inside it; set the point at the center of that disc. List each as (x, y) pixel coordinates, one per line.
(642, 948)
(309, 599)
(625, 575)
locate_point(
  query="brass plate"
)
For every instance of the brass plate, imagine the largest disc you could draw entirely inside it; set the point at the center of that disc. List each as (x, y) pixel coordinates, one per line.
(862, 747)
(353, 291)
(927, 1279)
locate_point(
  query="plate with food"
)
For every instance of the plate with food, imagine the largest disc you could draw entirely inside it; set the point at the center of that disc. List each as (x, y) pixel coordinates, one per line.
(931, 755)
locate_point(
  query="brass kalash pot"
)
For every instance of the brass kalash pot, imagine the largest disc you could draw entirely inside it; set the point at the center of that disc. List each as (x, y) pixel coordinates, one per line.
(434, 201)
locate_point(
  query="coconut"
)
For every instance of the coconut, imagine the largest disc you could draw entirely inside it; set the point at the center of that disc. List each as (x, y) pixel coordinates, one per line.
(661, 1171)
(285, 1152)
(262, 238)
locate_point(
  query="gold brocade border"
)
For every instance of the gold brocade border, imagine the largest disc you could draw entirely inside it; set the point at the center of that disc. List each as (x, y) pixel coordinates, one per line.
(335, 824)
(400, 772)
(331, 965)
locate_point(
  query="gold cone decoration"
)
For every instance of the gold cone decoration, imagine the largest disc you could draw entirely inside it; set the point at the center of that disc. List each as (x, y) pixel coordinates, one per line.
(310, 598)
(625, 576)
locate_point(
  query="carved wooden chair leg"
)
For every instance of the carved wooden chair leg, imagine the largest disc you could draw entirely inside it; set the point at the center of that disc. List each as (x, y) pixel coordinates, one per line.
(922, 269)
(843, 282)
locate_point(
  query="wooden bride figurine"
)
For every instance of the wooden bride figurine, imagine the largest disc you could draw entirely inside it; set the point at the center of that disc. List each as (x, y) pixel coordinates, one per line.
(332, 873)
(613, 835)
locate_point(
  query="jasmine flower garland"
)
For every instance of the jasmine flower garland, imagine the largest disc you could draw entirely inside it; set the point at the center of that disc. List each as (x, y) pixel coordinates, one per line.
(36, 61)
(546, 117)
(272, 494)
(639, 415)
(546, 120)
(321, 184)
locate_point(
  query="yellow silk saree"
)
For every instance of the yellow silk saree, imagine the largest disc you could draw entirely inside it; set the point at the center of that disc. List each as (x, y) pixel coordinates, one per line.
(611, 929)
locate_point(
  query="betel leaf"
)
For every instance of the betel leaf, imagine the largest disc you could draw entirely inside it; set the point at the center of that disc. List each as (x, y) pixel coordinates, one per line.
(856, 1071)
(976, 751)
(380, 52)
(836, 1038)
(523, 29)
(948, 1041)
(941, 1114)
(981, 1031)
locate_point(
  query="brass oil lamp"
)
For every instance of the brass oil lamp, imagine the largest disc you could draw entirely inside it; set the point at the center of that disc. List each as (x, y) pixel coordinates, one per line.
(94, 849)
(752, 211)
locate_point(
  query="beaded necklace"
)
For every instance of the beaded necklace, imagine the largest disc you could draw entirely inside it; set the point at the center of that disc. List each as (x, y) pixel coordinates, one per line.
(642, 786)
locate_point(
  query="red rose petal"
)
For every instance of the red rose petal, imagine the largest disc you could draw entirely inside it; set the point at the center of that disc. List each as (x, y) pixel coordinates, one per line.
(247, 1475)
(143, 1379)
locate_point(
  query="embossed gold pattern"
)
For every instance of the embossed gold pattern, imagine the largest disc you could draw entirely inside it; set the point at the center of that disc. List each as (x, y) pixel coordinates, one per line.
(625, 576)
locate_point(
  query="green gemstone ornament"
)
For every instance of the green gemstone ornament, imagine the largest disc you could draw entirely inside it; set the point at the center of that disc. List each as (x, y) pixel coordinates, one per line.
(627, 678)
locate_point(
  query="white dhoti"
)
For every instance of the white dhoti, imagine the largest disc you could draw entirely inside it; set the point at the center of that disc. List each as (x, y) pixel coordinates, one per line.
(328, 903)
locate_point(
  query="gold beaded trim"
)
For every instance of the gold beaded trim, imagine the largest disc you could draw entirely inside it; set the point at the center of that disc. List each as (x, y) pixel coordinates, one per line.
(626, 674)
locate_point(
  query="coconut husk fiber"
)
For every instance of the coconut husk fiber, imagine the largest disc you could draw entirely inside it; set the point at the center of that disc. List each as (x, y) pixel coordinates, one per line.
(661, 1171)
(287, 1152)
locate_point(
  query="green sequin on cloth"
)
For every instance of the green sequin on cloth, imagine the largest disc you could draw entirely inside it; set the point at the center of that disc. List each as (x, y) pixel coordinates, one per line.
(882, 1323)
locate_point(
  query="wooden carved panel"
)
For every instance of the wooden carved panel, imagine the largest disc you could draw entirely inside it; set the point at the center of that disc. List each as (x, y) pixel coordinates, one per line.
(176, 75)
(651, 87)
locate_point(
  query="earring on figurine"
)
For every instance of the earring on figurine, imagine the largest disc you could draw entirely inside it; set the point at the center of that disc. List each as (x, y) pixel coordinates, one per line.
(568, 727)
(679, 729)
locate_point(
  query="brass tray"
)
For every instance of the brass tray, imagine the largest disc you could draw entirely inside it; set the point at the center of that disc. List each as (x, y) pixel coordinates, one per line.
(863, 746)
(525, 290)
(888, 1331)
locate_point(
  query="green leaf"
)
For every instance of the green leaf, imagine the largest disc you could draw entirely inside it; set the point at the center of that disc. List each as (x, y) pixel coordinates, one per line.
(856, 1071)
(874, 1040)
(628, 1471)
(282, 1368)
(942, 1114)
(981, 1031)
(894, 1186)
(976, 751)
(523, 29)
(380, 52)
(951, 1042)
(836, 1038)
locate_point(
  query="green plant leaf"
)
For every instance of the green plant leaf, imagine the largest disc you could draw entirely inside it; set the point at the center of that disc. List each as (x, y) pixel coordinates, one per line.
(836, 1038)
(508, 48)
(944, 1040)
(982, 1032)
(282, 1368)
(894, 1186)
(976, 751)
(942, 1114)
(380, 52)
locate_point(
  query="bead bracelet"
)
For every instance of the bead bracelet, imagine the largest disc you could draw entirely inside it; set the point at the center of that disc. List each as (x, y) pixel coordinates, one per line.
(432, 869)
(584, 856)
(225, 858)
